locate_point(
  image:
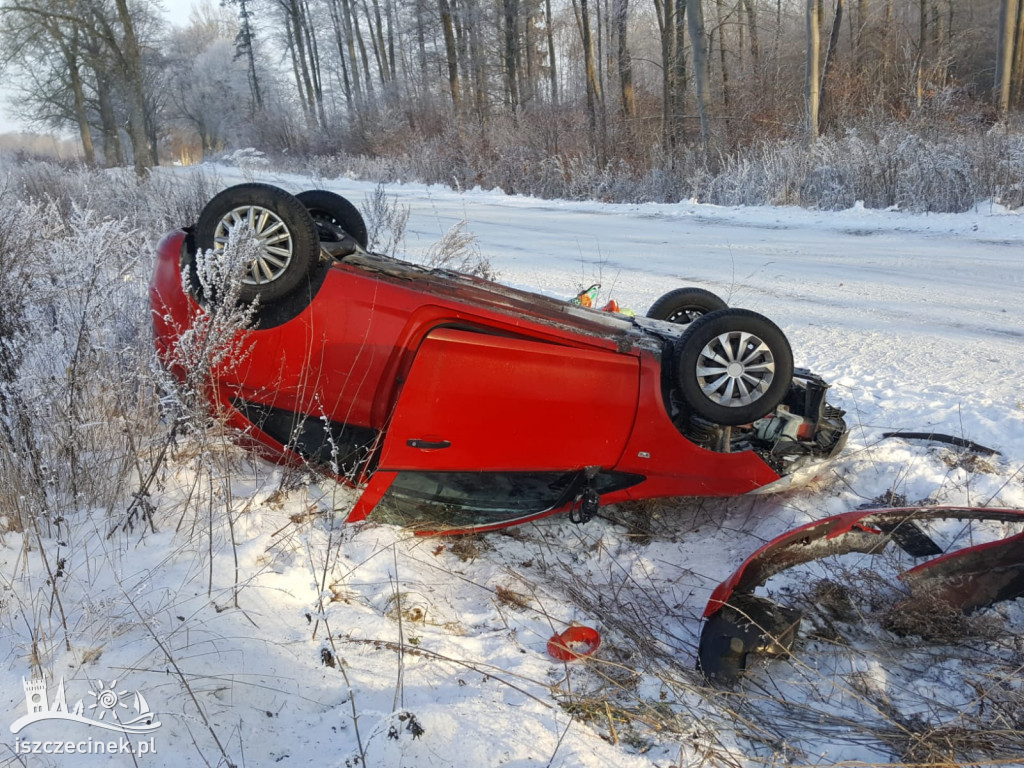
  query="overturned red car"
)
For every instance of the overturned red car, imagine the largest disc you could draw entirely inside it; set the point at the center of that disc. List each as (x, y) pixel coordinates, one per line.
(482, 405)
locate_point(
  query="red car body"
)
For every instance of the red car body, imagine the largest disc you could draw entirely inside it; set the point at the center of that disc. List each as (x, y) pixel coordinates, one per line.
(429, 379)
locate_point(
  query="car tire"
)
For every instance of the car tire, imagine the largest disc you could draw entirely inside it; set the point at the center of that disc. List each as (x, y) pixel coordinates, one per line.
(684, 305)
(733, 366)
(285, 261)
(329, 209)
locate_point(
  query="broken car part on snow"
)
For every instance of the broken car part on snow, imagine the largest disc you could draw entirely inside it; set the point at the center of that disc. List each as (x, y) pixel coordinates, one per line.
(740, 626)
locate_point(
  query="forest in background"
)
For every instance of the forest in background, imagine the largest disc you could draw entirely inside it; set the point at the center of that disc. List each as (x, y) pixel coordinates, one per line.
(905, 103)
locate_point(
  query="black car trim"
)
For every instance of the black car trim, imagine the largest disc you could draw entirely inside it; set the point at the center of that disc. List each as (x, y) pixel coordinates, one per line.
(503, 497)
(344, 449)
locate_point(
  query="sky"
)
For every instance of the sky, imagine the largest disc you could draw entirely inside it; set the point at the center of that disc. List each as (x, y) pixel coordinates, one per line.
(176, 11)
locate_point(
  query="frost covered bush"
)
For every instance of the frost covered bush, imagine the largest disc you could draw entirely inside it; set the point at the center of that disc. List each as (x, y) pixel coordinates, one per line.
(1000, 162)
(152, 204)
(79, 424)
(457, 250)
(892, 167)
(386, 220)
(76, 413)
(921, 165)
(249, 161)
(217, 336)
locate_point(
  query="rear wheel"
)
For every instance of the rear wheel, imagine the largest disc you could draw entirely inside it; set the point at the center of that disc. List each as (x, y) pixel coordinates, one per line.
(287, 244)
(684, 305)
(734, 366)
(330, 212)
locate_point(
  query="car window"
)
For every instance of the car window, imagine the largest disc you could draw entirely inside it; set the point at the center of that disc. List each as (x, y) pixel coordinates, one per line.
(341, 448)
(449, 501)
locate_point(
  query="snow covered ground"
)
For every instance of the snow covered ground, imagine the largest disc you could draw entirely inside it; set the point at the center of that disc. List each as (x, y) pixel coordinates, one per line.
(287, 638)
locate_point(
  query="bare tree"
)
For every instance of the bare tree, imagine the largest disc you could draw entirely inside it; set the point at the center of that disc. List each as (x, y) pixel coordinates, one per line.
(830, 55)
(451, 55)
(245, 42)
(813, 78)
(750, 6)
(54, 46)
(623, 58)
(672, 25)
(115, 27)
(552, 71)
(698, 41)
(1004, 54)
(124, 44)
(595, 95)
(721, 20)
(305, 63)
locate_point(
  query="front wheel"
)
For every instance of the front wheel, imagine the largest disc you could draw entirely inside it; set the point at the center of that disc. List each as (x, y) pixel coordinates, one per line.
(287, 244)
(734, 366)
(684, 305)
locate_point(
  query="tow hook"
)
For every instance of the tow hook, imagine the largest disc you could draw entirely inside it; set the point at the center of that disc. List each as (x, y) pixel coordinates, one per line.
(585, 505)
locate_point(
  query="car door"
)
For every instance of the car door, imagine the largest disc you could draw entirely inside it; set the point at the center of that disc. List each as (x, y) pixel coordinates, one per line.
(478, 401)
(495, 428)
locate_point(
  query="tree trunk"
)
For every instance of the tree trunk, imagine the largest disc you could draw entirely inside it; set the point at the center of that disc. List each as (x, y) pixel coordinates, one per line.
(625, 63)
(833, 43)
(300, 65)
(552, 73)
(698, 41)
(84, 133)
(346, 13)
(389, 13)
(313, 54)
(343, 59)
(376, 42)
(355, 30)
(594, 96)
(887, 32)
(510, 51)
(113, 153)
(755, 47)
(133, 75)
(922, 44)
(528, 83)
(478, 61)
(672, 25)
(246, 38)
(463, 46)
(599, 59)
(1018, 58)
(813, 69)
(722, 60)
(665, 12)
(1004, 55)
(72, 59)
(451, 55)
(678, 65)
(421, 45)
(860, 50)
(379, 47)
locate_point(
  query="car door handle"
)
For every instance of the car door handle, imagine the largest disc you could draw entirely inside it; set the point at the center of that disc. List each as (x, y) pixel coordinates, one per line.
(428, 445)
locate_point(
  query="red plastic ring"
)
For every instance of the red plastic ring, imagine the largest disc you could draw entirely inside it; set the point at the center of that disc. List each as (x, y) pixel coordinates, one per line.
(574, 643)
